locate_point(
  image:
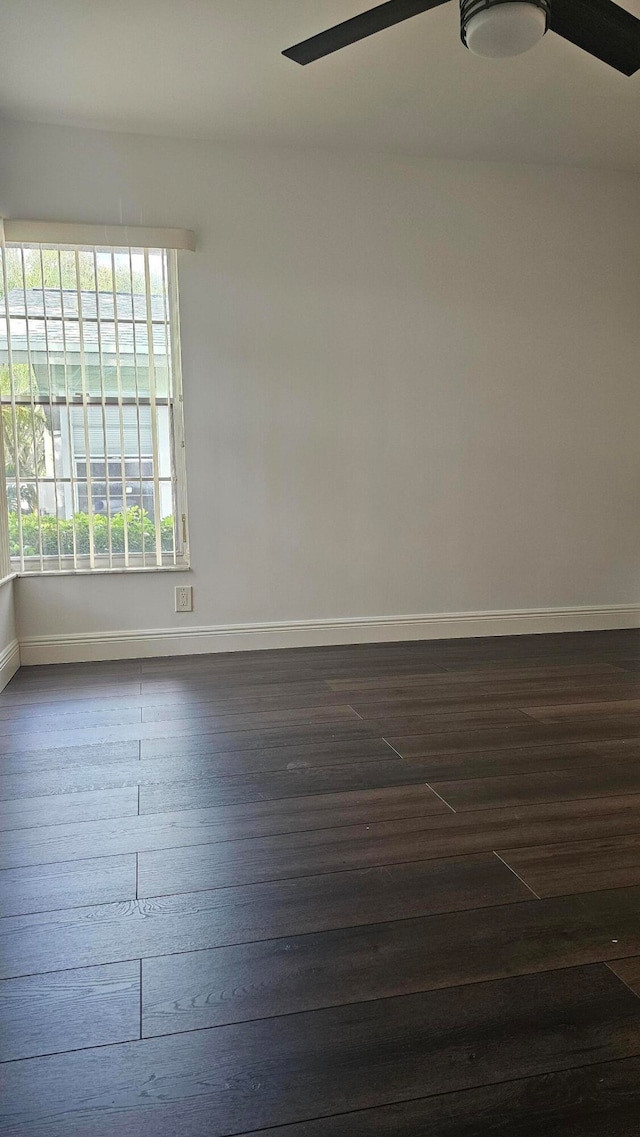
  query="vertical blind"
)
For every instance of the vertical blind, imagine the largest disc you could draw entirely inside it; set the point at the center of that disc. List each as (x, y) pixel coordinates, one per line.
(91, 404)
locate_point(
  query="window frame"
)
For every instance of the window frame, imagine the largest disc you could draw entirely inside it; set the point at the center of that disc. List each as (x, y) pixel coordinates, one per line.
(156, 560)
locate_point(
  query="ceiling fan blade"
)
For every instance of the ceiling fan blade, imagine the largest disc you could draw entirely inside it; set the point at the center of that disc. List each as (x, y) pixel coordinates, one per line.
(384, 16)
(600, 27)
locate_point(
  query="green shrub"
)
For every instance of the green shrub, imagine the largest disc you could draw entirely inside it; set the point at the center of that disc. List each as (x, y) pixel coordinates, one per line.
(51, 537)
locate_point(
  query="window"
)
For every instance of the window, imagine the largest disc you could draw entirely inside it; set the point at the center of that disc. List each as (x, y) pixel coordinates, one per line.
(91, 406)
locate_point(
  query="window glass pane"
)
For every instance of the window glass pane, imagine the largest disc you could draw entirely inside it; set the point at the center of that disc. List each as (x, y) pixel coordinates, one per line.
(86, 392)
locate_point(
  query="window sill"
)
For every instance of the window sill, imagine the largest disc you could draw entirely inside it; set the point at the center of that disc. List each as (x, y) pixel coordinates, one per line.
(115, 571)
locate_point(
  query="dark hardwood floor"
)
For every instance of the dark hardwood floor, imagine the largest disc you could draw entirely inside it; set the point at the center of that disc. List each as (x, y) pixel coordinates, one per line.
(390, 890)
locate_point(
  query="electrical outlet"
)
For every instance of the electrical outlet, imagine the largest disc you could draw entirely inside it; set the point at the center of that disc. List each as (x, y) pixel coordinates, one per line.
(184, 598)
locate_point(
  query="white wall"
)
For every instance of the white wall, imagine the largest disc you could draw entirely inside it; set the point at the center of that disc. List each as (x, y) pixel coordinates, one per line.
(410, 386)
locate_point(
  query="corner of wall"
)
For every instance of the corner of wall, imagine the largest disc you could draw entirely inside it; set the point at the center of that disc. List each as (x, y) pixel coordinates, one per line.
(9, 646)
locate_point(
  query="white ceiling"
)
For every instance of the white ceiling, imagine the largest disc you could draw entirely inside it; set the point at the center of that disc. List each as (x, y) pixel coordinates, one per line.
(213, 69)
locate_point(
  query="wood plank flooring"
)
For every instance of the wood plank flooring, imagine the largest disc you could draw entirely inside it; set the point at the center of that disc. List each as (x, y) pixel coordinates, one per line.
(389, 889)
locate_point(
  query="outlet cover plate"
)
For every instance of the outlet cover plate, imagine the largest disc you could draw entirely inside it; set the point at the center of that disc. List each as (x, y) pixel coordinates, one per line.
(184, 598)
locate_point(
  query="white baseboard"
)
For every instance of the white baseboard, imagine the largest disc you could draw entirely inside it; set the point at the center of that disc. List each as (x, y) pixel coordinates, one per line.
(86, 646)
(9, 663)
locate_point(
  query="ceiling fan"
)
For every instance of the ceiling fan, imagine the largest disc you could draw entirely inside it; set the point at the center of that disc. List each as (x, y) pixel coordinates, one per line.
(497, 28)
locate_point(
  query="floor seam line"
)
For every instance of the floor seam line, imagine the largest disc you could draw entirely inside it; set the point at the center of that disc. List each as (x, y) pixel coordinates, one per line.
(296, 832)
(443, 800)
(516, 874)
(608, 962)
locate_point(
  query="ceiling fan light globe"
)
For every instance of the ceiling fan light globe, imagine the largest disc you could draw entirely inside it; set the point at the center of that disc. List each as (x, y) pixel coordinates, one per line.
(507, 29)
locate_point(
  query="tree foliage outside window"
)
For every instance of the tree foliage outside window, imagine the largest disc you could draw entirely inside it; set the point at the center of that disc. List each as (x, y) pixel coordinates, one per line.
(60, 272)
(23, 438)
(48, 536)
